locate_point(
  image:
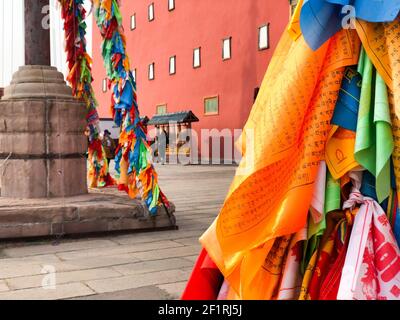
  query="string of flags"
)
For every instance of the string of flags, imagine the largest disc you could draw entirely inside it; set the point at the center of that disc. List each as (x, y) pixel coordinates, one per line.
(136, 173)
(80, 78)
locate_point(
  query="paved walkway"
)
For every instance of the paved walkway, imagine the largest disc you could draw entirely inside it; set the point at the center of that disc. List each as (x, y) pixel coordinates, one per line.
(152, 265)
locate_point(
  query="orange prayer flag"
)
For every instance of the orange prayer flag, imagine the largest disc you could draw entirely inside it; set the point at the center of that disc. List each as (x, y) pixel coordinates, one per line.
(339, 152)
(290, 121)
(294, 25)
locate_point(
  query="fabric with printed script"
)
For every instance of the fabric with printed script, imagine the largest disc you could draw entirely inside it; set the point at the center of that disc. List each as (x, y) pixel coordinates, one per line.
(290, 283)
(329, 268)
(317, 208)
(339, 151)
(374, 140)
(372, 266)
(381, 42)
(262, 203)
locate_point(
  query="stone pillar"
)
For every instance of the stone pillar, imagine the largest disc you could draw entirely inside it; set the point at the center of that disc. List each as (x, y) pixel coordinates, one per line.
(37, 32)
(42, 141)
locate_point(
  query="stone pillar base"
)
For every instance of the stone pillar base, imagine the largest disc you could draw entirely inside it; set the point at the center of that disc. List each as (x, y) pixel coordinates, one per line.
(42, 141)
(84, 214)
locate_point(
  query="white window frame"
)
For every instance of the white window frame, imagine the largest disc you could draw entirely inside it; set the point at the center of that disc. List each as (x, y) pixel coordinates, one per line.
(172, 65)
(133, 21)
(151, 74)
(171, 5)
(197, 58)
(104, 85)
(151, 12)
(263, 37)
(134, 74)
(227, 48)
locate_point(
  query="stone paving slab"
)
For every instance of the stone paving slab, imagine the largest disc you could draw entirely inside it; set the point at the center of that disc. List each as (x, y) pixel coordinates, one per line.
(143, 293)
(121, 249)
(39, 259)
(19, 270)
(188, 241)
(3, 286)
(62, 277)
(167, 253)
(62, 291)
(137, 281)
(151, 237)
(95, 262)
(175, 290)
(149, 265)
(153, 266)
(32, 250)
(192, 259)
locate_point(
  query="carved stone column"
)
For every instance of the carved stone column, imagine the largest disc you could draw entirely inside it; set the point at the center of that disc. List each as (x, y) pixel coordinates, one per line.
(37, 32)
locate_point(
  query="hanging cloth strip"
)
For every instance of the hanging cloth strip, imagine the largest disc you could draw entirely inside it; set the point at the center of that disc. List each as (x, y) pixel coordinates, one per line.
(80, 78)
(372, 266)
(380, 41)
(263, 203)
(290, 283)
(321, 19)
(133, 163)
(316, 218)
(374, 140)
(321, 281)
(206, 280)
(339, 151)
(390, 205)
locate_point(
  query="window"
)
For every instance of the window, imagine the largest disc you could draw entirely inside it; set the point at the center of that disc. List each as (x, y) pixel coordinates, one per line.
(171, 5)
(161, 109)
(151, 71)
(197, 58)
(263, 37)
(227, 48)
(211, 105)
(104, 85)
(151, 12)
(133, 21)
(172, 65)
(134, 74)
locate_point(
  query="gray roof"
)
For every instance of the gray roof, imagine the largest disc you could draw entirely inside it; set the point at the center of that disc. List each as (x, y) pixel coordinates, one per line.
(177, 117)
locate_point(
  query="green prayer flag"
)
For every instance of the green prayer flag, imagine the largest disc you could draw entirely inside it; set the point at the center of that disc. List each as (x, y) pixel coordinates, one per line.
(117, 13)
(332, 193)
(384, 138)
(365, 146)
(374, 140)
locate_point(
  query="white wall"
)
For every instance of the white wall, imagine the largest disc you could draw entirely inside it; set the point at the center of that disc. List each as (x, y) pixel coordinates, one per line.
(12, 37)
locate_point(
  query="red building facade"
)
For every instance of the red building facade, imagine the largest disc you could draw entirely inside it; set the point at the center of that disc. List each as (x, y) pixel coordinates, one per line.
(207, 56)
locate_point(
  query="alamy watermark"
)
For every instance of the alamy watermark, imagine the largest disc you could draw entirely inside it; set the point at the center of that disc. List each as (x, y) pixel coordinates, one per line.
(49, 280)
(349, 20)
(169, 145)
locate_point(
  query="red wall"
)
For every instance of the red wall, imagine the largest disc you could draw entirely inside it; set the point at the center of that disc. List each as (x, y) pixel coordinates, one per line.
(197, 23)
